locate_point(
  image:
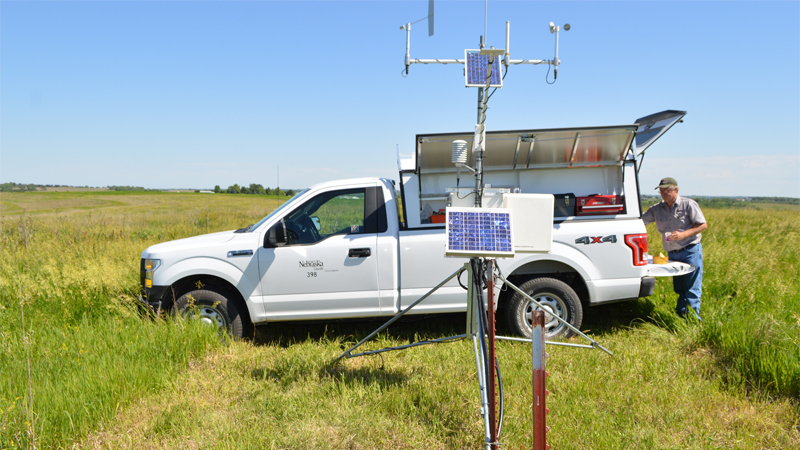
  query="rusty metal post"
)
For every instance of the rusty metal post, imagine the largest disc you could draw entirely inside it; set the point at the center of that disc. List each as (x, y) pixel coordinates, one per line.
(539, 383)
(491, 369)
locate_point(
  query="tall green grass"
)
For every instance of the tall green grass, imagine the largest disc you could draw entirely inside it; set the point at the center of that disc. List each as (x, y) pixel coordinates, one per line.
(61, 380)
(74, 349)
(751, 298)
(751, 301)
(283, 393)
(85, 367)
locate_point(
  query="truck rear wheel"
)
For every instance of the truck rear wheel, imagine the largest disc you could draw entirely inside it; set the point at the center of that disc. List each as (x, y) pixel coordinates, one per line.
(214, 309)
(557, 298)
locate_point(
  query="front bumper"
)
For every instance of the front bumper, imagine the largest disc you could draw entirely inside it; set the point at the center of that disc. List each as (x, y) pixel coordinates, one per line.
(155, 297)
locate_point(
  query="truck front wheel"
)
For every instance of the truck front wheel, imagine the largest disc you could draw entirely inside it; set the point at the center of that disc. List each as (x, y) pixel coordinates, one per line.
(213, 309)
(556, 297)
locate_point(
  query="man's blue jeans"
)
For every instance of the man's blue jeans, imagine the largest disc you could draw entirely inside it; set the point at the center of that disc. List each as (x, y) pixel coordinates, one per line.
(689, 287)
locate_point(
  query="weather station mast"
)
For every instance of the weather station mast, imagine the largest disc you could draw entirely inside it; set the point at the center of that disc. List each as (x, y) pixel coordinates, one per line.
(482, 70)
(482, 234)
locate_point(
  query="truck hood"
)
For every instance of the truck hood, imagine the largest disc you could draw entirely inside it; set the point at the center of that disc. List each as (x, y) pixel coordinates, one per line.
(204, 241)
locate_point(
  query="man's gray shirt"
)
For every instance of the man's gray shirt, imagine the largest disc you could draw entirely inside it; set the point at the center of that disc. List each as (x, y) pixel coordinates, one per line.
(684, 214)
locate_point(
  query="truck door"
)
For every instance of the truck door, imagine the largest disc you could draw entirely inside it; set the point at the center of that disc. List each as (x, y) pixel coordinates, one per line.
(329, 266)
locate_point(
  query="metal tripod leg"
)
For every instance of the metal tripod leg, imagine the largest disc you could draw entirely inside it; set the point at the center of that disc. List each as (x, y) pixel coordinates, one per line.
(348, 352)
(476, 331)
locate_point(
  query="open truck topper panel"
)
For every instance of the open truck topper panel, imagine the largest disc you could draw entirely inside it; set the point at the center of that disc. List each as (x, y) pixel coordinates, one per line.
(652, 127)
(546, 148)
(530, 149)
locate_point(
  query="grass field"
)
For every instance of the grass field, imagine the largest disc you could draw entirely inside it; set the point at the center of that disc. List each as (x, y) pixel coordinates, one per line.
(81, 369)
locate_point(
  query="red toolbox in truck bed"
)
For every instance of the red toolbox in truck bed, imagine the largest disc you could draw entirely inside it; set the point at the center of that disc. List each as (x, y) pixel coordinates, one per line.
(599, 205)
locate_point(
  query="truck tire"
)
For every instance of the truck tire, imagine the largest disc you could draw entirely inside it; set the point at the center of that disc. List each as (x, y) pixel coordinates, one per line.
(556, 296)
(214, 309)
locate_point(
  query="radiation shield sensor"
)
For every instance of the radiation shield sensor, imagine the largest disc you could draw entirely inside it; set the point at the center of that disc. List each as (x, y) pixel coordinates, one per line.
(479, 232)
(477, 64)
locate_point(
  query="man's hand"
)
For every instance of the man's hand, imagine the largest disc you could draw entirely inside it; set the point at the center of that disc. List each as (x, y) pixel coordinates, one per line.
(680, 235)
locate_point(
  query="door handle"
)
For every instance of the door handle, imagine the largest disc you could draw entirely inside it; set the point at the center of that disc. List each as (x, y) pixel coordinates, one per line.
(359, 253)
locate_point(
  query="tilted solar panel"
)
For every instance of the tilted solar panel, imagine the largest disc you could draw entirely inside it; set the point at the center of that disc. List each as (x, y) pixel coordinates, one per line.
(479, 232)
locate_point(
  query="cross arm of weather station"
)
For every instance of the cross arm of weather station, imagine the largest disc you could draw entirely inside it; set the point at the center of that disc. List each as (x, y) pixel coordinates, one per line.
(461, 61)
(554, 29)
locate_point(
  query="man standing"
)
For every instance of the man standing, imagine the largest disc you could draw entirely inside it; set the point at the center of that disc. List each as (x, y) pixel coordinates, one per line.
(680, 221)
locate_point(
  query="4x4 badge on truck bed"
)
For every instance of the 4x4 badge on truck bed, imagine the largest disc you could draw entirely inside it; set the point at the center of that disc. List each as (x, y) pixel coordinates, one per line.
(596, 239)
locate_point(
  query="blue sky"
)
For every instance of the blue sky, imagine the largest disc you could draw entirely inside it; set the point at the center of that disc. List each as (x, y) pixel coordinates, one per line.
(187, 94)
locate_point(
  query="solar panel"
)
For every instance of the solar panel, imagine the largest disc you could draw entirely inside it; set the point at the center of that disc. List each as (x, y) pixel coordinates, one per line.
(477, 66)
(479, 232)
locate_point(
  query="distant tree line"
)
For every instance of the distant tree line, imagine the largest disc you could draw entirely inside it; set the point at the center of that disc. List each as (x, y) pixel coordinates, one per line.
(703, 202)
(786, 200)
(721, 202)
(20, 187)
(254, 189)
(127, 188)
(726, 202)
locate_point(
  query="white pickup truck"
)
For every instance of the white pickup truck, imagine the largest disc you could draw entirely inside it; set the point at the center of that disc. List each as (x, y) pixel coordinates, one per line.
(353, 249)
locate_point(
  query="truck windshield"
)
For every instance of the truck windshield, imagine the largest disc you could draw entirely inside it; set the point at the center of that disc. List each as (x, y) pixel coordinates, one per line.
(277, 210)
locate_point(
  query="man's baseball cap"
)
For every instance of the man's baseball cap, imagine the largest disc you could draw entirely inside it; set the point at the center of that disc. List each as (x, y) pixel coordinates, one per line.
(667, 182)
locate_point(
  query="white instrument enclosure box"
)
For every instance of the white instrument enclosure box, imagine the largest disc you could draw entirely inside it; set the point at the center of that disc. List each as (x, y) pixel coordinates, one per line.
(531, 221)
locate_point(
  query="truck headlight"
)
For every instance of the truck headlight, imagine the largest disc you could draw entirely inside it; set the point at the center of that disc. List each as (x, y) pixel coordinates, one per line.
(150, 266)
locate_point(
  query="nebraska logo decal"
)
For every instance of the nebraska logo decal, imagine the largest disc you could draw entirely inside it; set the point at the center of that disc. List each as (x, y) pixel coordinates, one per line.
(596, 239)
(306, 264)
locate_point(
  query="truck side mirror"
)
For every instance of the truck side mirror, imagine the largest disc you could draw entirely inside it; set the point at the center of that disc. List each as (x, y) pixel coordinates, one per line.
(316, 222)
(276, 236)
